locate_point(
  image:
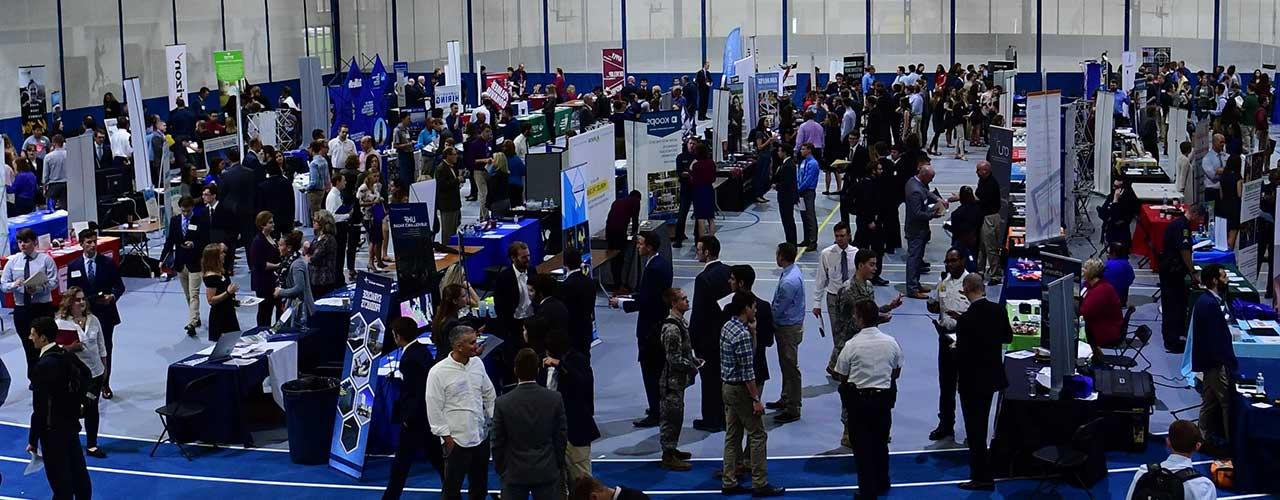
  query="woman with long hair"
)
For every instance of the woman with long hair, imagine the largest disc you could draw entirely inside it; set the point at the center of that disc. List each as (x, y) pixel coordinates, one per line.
(264, 260)
(1228, 206)
(326, 271)
(941, 118)
(763, 140)
(702, 176)
(455, 307)
(499, 199)
(219, 291)
(23, 188)
(371, 201)
(293, 287)
(91, 350)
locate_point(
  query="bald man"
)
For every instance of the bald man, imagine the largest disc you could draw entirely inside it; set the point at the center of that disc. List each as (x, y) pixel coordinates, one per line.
(922, 206)
(1214, 162)
(989, 202)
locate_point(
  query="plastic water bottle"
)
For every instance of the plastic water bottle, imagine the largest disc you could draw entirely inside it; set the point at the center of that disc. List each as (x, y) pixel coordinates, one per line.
(1031, 383)
(1262, 387)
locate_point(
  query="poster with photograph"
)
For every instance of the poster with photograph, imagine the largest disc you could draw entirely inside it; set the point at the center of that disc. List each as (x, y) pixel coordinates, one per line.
(32, 98)
(574, 219)
(370, 307)
(1247, 238)
(767, 97)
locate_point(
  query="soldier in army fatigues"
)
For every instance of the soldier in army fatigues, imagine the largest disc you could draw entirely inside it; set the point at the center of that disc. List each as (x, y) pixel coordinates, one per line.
(677, 375)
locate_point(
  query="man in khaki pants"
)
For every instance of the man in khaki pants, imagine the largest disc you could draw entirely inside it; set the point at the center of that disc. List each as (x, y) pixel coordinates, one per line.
(788, 315)
(742, 405)
(185, 242)
(989, 201)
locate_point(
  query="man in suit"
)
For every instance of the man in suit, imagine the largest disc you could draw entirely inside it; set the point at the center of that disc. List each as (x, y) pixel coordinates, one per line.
(981, 333)
(703, 81)
(55, 415)
(922, 206)
(512, 300)
(238, 192)
(578, 293)
(549, 309)
(568, 372)
(705, 323)
(411, 407)
(101, 150)
(1212, 354)
(655, 279)
(529, 435)
(31, 300)
(185, 241)
(859, 160)
(97, 275)
(275, 195)
(221, 224)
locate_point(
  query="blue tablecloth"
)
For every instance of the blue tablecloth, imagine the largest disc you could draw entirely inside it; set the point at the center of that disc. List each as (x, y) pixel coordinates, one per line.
(1213, 257)
(495, 248)
(1257, 433)
(53, 224)
(223, 419)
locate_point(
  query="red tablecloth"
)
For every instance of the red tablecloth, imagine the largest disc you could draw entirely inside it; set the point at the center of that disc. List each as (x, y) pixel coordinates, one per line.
(62, 257)
(1148, 234)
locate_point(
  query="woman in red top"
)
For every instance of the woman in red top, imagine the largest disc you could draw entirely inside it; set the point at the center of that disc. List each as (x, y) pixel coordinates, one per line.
(1100, 308)
(702, 175)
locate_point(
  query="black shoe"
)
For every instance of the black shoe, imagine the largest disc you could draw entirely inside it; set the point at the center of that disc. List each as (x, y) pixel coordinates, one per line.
(649, 421)
(811, 248)
(978, 486)
(702, 425)
(191, 330)
(942, 432)
(879, 282)
(95, 452)
(786, 417)
(737, 489)
(775, 405)
(768, 491)
(677, 244)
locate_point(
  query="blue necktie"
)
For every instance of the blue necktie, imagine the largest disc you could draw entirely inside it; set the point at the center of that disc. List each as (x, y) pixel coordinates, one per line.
(91, 270)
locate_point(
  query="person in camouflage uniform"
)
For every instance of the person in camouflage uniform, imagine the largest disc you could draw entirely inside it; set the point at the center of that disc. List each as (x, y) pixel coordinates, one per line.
(860, 288)
(677, 375)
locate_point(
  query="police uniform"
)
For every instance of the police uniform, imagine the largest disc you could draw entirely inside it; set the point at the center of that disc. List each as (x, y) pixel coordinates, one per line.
(1173, 288)
(949, 298)
(868, 361)
(677, 375)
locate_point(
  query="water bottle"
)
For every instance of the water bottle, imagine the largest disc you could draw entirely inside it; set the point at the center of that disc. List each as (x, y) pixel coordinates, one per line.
(1262, 388)
(1031, 383)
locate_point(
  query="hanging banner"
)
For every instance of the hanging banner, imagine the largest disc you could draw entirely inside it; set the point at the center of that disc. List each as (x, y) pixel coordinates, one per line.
(854, 67)
(175, 60)
(652, 146)
(732, 52)
(411, 234)
(495, 84)
(1044, 166)
(228, 69)
(32, 99)
(370, 307)
(613, 70)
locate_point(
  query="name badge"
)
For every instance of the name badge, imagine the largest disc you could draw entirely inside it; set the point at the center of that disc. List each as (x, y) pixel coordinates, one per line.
(75, 274)
(192, 227)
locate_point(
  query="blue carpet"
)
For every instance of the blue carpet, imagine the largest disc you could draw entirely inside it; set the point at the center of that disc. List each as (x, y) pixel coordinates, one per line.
(229, 472)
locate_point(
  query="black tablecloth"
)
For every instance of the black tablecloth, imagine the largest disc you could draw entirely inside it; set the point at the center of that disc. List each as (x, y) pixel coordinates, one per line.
(1025, 424)
(1256, 434)
(224, 419)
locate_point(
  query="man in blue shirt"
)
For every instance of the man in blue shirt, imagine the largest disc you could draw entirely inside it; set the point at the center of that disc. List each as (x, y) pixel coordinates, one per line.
(1212, 354)
(788, 318)
(319, 180)
(806, 186)
(868, 78)
(1118, 271)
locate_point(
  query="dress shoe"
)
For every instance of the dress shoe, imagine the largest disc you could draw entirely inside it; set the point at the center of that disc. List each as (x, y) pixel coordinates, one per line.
(702, 425)
(768, 491)
(918, 295)
(673, 463)
(677, 244)
(649, 421)
(775, 405)
(95, 452)
(682, 455)
(942, 432)
(879, 282)
(786, 417)
(191, 330)
(844, 441)
(736, 489)
(978, 486)
(743, 470)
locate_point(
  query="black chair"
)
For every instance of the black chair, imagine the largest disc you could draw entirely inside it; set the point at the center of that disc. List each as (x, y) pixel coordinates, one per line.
(1135, 343)
(185, 408)
(1070, 458)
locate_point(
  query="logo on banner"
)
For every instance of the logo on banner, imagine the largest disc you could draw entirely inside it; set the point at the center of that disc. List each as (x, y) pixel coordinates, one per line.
(614, 70)
(496, 87)
(176, 56)
(662, 123)
(448, 94)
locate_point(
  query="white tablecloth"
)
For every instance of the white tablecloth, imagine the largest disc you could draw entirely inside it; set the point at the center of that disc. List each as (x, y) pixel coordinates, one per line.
(282, 367)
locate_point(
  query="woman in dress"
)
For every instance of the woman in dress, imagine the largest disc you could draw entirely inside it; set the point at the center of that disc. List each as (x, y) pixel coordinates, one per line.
(941, 118)
(294, 286)
(219, 291)
(264, 260)
(90, 349)
(371, 200)
(702, 176)
(1228, 207)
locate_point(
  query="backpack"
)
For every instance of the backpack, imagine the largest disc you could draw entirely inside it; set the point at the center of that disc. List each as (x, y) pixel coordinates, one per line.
(1162, 484)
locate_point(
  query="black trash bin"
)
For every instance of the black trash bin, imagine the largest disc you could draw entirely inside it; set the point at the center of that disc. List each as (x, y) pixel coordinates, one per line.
(309, 406)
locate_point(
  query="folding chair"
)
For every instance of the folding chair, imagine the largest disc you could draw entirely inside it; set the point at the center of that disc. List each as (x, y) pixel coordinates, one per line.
(183, 409)
(1068, 458)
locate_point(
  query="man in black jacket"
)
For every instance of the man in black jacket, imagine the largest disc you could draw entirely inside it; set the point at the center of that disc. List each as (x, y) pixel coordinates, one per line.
(529, 434)
(703, 81)
(654, 280)
(238, 192)
(55, 414)
(784, 182)
(275, 195)
(411, 407)
(578, 293)
(684, 162)
(512, 301)
(573, 379)
(222, 224)
(97, 275)
(981, 333)
(185, 242)
(705, 322)
(859, 159)
(548, 308)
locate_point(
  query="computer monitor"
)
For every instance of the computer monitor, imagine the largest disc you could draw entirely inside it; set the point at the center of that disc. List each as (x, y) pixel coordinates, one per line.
(418, 309)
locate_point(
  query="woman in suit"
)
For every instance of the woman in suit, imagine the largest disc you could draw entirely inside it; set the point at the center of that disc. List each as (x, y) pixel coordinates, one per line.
(294, 284)
(264, 260)
(219, 291)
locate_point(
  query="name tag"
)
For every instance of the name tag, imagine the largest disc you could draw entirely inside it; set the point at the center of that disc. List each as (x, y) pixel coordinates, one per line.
(192, 227)
(75, 274)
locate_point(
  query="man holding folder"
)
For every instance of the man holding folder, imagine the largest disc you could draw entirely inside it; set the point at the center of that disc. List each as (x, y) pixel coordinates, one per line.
(30, 276)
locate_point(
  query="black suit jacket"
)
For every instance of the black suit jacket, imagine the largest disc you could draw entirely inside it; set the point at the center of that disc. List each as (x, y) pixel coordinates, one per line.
(576, 384)
(411, 406)
(51, 405)
(706, 318)
(555, 314)
(237, 189)
(648, 302)
(275, 195)
(106, 279)
(578, 293)
(630, 494)
(185, 258)
(220, 226)
(981, 333)
(529, 435)
(506, 296)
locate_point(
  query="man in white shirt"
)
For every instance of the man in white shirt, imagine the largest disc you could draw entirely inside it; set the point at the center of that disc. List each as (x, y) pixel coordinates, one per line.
(835, 269)
(1183, 441)
(55, 173)
(460, 401)
(341, 218)
(32, 297)
(522, 140)
(869, 364)
(340, 148)
(1213, 164)
(948, 297)
(120, 145)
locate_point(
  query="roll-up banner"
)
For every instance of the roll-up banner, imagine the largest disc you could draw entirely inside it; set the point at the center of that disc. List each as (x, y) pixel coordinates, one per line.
(175, 61)
(1044, 166)
(411, 234)
(613, 70)
(32, 98)
(370, 308)
(652, 146)
(137, 138)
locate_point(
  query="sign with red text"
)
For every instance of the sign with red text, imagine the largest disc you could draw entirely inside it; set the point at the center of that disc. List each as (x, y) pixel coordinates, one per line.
(614, 70)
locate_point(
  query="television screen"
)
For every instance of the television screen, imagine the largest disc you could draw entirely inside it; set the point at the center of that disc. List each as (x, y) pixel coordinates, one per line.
(418, 309)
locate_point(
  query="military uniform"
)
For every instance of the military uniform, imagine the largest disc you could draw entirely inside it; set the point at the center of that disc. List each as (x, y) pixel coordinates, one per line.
(677, 375)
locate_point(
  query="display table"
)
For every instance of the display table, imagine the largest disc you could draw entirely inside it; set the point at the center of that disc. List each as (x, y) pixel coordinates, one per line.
(42, 222)
(133, 237)
(62, 257)
(1148, 234)
(495, 245)
(1156, 192)
(235, 381)
(1024, 424)
(1257, 441)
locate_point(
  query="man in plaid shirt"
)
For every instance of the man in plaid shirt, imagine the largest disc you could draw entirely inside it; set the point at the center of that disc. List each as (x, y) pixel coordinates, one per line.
(743, 407)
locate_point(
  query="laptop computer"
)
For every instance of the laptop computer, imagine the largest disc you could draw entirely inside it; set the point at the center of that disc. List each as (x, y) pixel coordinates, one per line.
(222, 350)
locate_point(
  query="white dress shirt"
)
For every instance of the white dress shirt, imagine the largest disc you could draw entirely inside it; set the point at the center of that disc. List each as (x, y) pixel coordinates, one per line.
(120, 145)
(339, 150)
(869, 358)
(1200, 488)
(828, 275)
(949, 297)
(15, 275)
(460, 401)
(95, 348)
(332, 202)
(525, 308)
(522, 146)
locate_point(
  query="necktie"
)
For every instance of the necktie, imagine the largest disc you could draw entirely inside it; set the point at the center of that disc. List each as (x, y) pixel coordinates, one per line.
(844, 266)
(91, 269)
(184, 227)
(26, 273)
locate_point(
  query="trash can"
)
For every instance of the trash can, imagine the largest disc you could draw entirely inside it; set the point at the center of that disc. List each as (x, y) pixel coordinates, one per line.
(309, 406)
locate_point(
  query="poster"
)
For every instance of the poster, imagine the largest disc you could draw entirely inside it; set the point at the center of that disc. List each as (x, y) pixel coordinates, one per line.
(370, 306)
(1255, 166)
(401, 70)
(175, 60)
(593, 151)
(1128, 71)
(767, 97)
(575, 223)
(415, 257)
(1044, 166)
(854, 67)
(495, 85)
(1153, 58)
(1201, 141)
(652, 146)
(32, 99)
(613, 70)
(228, 68)
(448, 94)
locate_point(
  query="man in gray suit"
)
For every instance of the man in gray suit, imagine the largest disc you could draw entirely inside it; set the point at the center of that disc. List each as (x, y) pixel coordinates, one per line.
(529, 435)
(922, 206)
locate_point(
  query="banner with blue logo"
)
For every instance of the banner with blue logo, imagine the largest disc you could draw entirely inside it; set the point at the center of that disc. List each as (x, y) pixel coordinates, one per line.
(360, 103)
(370, 308)
(373, 103)
(732, 52)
